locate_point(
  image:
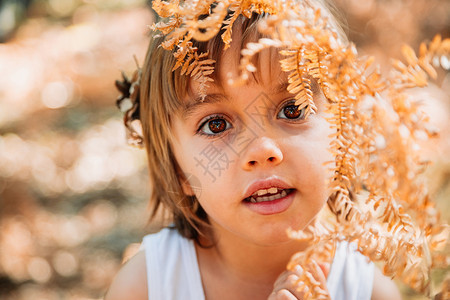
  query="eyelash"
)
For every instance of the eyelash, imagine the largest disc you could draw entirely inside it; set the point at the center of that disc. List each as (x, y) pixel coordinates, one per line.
(212, 118)
(288, 103)
(280, 109)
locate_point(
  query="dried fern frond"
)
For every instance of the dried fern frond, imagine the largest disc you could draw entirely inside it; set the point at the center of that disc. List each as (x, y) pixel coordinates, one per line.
(418, 69)
(306, 282)
(166, 9)
(251, 49)
(298, 78)
(206, 29)
(375, 149)
(200, 69)
(236, 9)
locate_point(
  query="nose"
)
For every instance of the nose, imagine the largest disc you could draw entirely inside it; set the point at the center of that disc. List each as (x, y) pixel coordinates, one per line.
(262, 152)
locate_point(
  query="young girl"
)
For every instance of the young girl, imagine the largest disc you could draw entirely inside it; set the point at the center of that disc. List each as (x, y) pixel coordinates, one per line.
(236, 166)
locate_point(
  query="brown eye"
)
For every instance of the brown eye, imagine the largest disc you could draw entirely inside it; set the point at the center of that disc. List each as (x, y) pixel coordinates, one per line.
(214, 126)
(217, 125)
(291, 112)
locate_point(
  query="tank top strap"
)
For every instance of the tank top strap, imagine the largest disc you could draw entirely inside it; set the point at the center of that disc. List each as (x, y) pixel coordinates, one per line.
(351, 274)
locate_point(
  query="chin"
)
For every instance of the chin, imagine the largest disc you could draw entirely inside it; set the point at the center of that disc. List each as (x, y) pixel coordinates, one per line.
(272, 237)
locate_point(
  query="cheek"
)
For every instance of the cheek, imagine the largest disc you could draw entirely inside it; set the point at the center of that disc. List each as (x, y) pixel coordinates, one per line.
(204, 163)
(319, 170)
(311, 158)
(183, 147)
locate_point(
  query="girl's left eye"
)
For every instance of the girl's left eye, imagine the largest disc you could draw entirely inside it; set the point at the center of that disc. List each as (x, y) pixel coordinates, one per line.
(291, 112)
(214, 125)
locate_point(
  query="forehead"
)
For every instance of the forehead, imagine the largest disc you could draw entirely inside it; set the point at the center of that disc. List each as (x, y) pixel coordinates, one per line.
(227, 69)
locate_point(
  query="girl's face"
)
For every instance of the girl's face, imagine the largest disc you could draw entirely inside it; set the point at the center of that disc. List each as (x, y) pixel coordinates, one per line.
(255, 164)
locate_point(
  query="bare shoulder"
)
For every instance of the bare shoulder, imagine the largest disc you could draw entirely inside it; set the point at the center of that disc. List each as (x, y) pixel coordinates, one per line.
(384, 287)
(131, 281)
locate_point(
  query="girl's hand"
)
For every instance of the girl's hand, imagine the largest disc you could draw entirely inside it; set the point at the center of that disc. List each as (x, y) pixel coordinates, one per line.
(286, 287)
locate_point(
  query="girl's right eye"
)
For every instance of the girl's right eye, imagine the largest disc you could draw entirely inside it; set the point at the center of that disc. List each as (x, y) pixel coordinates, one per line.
(214, 126)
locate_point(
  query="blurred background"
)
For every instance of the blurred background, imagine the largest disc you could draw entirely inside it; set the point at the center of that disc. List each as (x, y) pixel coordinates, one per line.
(73, 195)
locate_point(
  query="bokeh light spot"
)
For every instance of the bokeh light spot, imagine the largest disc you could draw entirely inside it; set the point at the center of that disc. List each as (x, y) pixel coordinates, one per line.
(56, 94)
(65, 263)
(39, 269)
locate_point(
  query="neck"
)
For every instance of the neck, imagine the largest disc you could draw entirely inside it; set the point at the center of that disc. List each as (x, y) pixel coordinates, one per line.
(247, 265)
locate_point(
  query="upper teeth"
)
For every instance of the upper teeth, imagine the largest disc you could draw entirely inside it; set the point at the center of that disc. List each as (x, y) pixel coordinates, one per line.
(276, 195)
(262, 192)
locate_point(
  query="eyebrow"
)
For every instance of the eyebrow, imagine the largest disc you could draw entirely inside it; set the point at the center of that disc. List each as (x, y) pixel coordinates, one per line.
(198, 102)
(281, 87)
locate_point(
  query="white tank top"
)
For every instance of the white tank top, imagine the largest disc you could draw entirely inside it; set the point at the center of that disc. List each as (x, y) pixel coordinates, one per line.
(173, 273)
